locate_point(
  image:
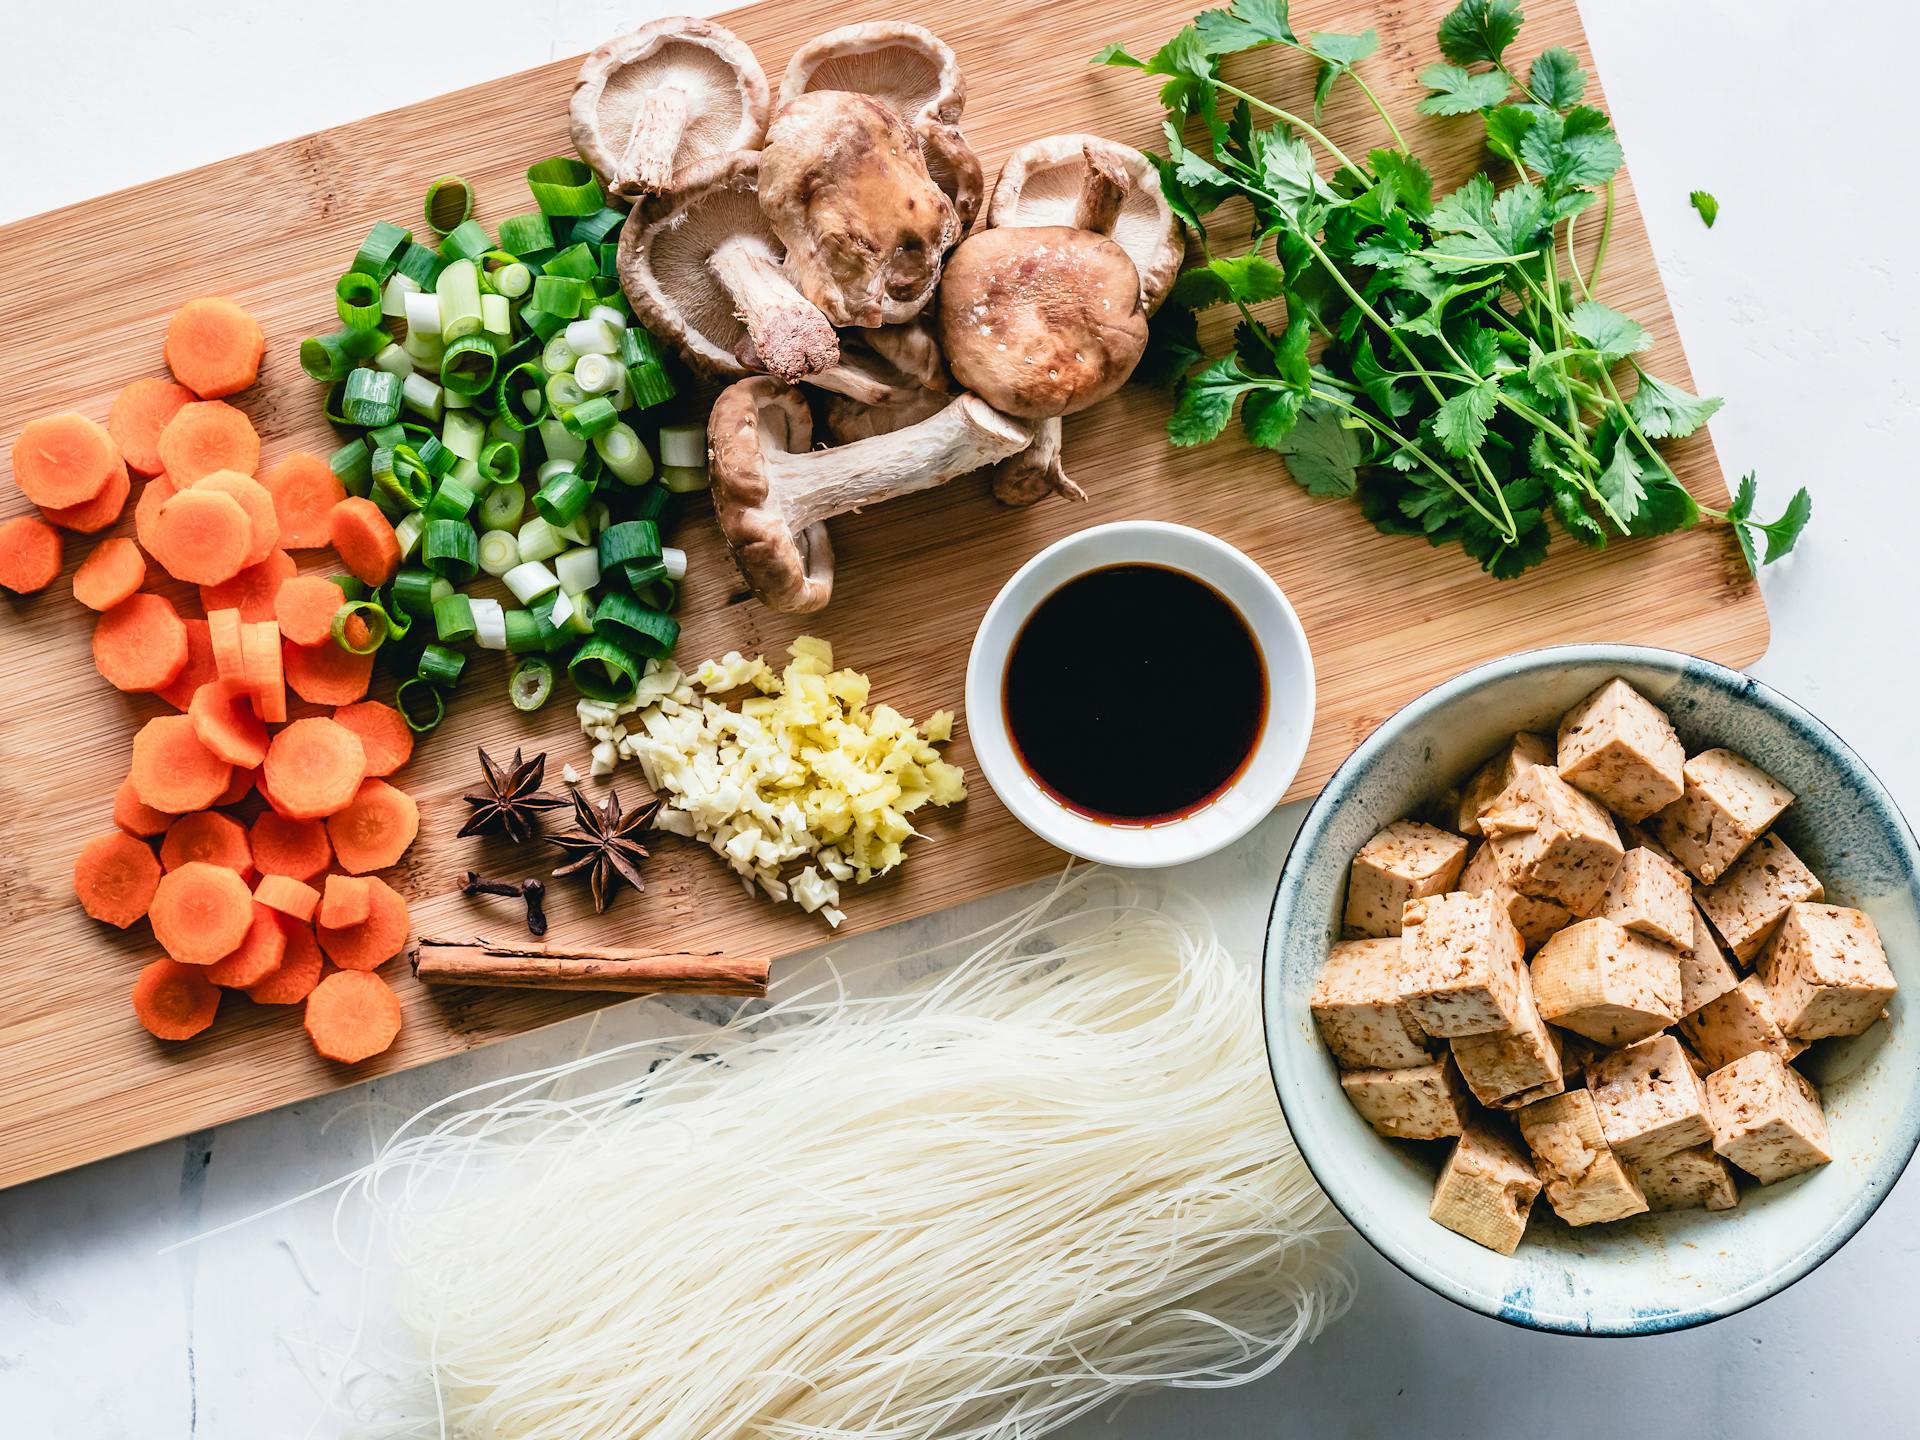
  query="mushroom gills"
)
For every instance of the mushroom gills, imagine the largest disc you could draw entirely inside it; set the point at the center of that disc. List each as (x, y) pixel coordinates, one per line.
(787, 332)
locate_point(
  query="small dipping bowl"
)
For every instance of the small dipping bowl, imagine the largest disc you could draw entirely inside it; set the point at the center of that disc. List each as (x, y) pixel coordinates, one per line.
(1278, 748)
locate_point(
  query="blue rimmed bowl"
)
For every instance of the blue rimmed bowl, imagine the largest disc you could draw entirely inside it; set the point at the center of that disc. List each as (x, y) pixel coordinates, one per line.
(1656, 1272)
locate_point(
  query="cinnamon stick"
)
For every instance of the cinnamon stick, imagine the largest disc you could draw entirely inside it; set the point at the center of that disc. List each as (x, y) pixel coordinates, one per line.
(530, 966)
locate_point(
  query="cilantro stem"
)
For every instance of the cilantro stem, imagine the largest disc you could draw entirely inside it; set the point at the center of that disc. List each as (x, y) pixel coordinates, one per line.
(1299, 124)
(1402, 443)
(1606, 234)
(1399, 141)
(1633, 428)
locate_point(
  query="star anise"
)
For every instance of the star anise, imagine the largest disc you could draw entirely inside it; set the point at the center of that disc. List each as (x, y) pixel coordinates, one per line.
(512, 802)
(607, 845)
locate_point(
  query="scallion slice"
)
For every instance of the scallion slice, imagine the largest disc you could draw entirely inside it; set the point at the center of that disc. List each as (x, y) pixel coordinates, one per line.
(538, 540)
(512, 281)
(372, 398)
(661, 595)
(399, 473)
(564, 186)
(529, 580)
(421, 264)
(590, 417)
(593, 337)
(577, 261)
(412, 592)
(642, 575)
(376, 626)
(503, 505)
(684, 445)
(464, 436)
(530, 684)
(331, 357)
(523, 632)
(451, 550)
(578, 569)
(468, 366)
(626, 542)
(423, 396)
(396, 359)
(526, 234)
(560, 297)
(420, 704)
(598, 228)
(357, 297)
(489, 623)
(459, 297)
(380, 252)
(453, 619)
(563, 498)
(603, 670)
(499, 462)
(448, 204)
(496, 316)
(451, 501)
(676, 562)
(625, 620)
(499, 552)
(620, 450)
(596, 374)
(542, 323)
(645, 362)
(352, 466)
(466, 241)
(651, 504)
(521, 396)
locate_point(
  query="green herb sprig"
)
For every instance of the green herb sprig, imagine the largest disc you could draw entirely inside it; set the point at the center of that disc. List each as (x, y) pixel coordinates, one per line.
(1468, 381)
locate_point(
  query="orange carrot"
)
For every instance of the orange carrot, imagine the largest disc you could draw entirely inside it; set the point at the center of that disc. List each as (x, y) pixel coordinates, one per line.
(115, 876)
(30, 554)
(258, 955)
(239, 786)
(139, 414)
(352, 1017)
(347, 900)
(304, 490)
(375, 830)
(297, 849)
(314, 768)
(364, 540)
(260, 649)
(98, 513)
(376, 939)
(251, 592)
(200, 912)
(135, 816)
(288, 896)
(263, 524)
(174, 1001)
(64, 460)
(172, 770)
(305, 607)
(299, 970)
(201, 537)
(206, 436)
(214, 347)
(223, 718)
(387, 737)
(224, 634)
(327, 674)
(155, 493)
(140, 644)
(207, 835)
(110, 574)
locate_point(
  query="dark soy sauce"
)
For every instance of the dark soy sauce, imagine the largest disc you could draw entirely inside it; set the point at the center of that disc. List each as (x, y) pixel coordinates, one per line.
(1135, 694)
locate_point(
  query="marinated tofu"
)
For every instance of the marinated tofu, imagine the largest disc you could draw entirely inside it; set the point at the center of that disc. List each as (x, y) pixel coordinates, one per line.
(1520, 1060)
(1766, 1118)
(1748, 902)
(1464, 967)
(1420, 1102)
(1649, 1100)
(1695, 1179)
(1551, 841)
(1362, 1011)
(1705, 972)
(1738, 1023)
(1585, 1181)
(1652, 897)
(1620, 748)
(1826, 973)
(1534, 919)
(1599, 980)
(1405, 861)
(1727, 804)
(1487, 1189)
(1525, 748)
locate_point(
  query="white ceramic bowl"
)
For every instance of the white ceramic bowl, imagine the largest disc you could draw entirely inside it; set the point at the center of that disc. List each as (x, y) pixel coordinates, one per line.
(1655, 1272)
(1283, 651)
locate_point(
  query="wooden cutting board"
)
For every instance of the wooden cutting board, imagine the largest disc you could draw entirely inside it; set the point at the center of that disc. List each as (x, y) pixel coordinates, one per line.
(87, 291)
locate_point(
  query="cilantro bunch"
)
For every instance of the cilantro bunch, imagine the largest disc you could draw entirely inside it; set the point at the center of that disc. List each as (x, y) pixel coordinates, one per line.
(1468, 384)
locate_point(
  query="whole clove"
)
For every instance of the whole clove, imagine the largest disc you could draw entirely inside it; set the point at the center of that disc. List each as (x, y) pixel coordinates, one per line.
(533, 892)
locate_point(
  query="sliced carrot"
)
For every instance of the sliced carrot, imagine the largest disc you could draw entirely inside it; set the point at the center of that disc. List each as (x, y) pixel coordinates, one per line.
(210, 836)
(375, 830)
(201, 537)
(214, 347)
(198, 670)
(383, 731)
(140, 644)
(287, 895)
(365, 540)
(135, 816)
(299, 970)
(200, 912)
(139, 414)
(263, 524)
(239, 786)
(376, 939)
(155, 493)
(257, 956)
(64, 460)
(314, 768)
(327, 674)
(175, 1001)
(172, 770)
(297, 849)
(305, 607)
(206, 436)
(224, 633)
(115, 876)
(304, 490)
(346, 900)
(223, 718)
(260, 650)
(251, 592)
(112, 572)
(30, 554)
(352, 1017)
(98, 513)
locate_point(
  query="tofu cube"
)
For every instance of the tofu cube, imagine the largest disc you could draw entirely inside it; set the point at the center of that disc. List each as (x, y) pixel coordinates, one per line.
(1728, 803)
(1695, 1179)
(1620, 748)
(1649, 1100)
(1534, 919)
(1651, 896)
(1362, 1014)
(1504, 1063)
(1405, 861)
(1486, 1189)
(1749, 900)
(1420, 1102)
(1551, 841)
(1601, 981)
(1766, 1118)
(1525, 748)
(1737, 1023)
(1462, 965)
(1585, 1182)
(1705, 972)
(1826, 973)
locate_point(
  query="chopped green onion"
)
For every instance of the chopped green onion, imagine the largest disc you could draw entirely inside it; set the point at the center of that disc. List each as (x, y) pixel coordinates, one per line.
(464, 436)
(676, 562)
(438, 459)
(395, 360)
(538, 540)
(592, 415)
(602, 670)
(357, 297)
(684, 445)
(502, 506)
(513, 280)
(489, 622)
(634, 625)
(578, 569)
(375, 623)
(459, 296)
(530, 684)
(407, 531)
(421, 264)
(646, 366)
(451, 550)
(331, 357)
(640, 575)
(352, 466)
(334, 407)
(576, 261)
(466, 241)
(598, 228)
(499, 552)
(628, 541)
(448, 204)
(563, 393)
(393, 296)
(662, 595)
(540, 322)
(525, 234)
(441, 665)
(610, 259)
(564, 186)
(372, 398)
(423, 314)
(453, 619)
(496, 316)
(683, 479)
(420, 704)
(558, 296)
(499, 462)
(412, 592)
(622, 453)
(596, 374)
(399, 473)
(423, 395)
(379, 253)
(452, 501)
(521, 396)
(523, 632)
(651, 504)
(387, 436)
(469, 363)
(559, 443)
(593, 337)
(348, 586)
(558, 356)
(424, 350)
(529, 580)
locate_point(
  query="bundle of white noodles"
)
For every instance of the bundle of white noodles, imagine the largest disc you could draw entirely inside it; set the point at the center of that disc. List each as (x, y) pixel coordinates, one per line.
(1049, 1173)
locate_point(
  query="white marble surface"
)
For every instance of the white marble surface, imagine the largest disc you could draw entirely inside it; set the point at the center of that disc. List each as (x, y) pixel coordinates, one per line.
(1796, 306)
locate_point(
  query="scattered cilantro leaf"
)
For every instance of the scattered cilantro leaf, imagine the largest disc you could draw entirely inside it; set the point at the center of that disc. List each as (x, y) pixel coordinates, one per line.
(1478, 30)
(1268, 416)
(1322, 455)
(1708, 207)
(1461, 423)
(1664, 411)
(1610, 334)
(1507, 127)
(1454, 91)
(1577, 148)
(1410, 182)
(1248, 279)
(1247, 25)
(1206, 401)
(1620, 485)
(1556, 79)
(1343, 49)
(1779, 537)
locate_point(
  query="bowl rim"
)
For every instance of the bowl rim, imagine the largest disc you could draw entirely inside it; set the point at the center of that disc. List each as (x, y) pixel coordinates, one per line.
(1825, 1245)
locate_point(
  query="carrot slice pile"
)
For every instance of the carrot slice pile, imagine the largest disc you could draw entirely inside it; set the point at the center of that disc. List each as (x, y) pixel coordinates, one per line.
(346, 900)
(172, 770)
(61, 461)
(375, 830)
(296, 849)
(260, 651)
(257, 956)
(263, 524)
(383, 732)
(223, 718)
(140, 644)
(200, 912)
(251, 592)
(305, 607)
(206, 436)
(98, 513)
(224, 633)
(299, 971)
(115, 877)
(328, 674)
(211, 837)
(135, 816)
(214, 347)
(352, 1017)
(201, 537)
(155, 493)
(175, 1001)
(110, 574)
(290, 897)
(376, 939)
(239, 785)
(30, 554)
(365, 540)
(139, 414)
(304, 490)
(314, 768)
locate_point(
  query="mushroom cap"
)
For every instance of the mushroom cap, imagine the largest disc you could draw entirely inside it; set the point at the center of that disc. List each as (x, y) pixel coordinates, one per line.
(790, 570)
(726, 91)
(1040, 185)
(1041, 320)
(954, 168)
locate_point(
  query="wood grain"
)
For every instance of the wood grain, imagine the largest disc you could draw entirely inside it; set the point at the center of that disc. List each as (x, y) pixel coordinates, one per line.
(87, 291)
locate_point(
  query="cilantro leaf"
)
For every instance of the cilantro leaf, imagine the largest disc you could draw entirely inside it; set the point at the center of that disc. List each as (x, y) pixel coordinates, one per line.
(1556, 79)
(1610, 334)
(1507, 126)
(1780, 536)
(1478, 346)
(1287, 167)
(1248, 279)
(1620, 485)
(1461, 423)
(1206, 402)
(1666, 508)
(1268, 416)
(1454, 91)
(1479, 30)
(1187, 63)
(1708, 207)
(1322, 455)
(1379, 384)
(1407, 178)
(1247, 25)
(1570, 509)
(1343, 49)
(1664, 411)
(1173, 347)
(1572, 150)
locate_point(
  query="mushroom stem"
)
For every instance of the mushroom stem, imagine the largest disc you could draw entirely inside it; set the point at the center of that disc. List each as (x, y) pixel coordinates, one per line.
(1104, 188)
(789, 335)
(646, 165)
(1036, 472)
(964, 436)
